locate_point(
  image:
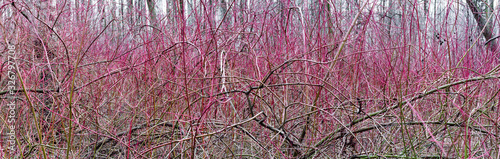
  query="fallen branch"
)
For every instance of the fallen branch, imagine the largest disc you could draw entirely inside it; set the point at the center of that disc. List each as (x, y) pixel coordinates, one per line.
(102, 142)
(416, 123)
(204, 135)
(29, 90)
(331, 136)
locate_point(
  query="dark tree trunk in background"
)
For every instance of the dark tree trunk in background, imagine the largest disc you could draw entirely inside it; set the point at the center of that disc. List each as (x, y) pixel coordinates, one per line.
(43, 48)
(389, 11)
(482, 23)
(224, 9)
(152, 12)
(130, 11)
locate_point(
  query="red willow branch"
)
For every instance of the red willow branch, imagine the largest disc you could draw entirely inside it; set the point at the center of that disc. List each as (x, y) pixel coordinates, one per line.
(124, 68)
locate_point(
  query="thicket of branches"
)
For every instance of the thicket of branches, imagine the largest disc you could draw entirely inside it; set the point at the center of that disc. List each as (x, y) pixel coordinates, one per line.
(252, 79)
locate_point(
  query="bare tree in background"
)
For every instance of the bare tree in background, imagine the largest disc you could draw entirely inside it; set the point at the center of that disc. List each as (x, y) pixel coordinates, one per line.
(43, 48)
(152, 11)
(482, 21)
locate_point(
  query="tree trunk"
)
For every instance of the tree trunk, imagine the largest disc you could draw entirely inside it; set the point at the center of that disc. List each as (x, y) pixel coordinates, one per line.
(152, 12)
(483, 25)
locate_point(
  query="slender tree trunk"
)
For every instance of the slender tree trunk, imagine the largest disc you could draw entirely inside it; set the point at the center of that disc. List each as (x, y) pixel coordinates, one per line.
(483, 25)
(390, 17)
(43, 52)
(152, 12)
(130, 11)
